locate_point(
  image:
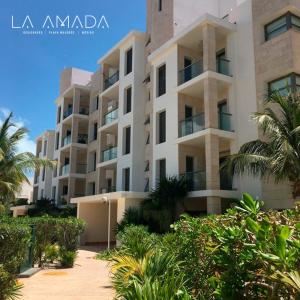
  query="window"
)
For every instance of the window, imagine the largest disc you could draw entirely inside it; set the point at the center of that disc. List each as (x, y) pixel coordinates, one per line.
(159, 5)
(42, 193)
(148, 139)
(147, 166)
(162, 168)
(45, 148)
(161, 127)
(94, 161)
(54, 192)
(92, 188)
(161, 81)
(282, 85)
(95, 131)
(128, 97)
(146, 188)
(127, 134)
(65, 190)
(43, 174)
(97, 102)
(281, 25)
(126, 178)
(58, 114)
(128, 68)
(57, 141)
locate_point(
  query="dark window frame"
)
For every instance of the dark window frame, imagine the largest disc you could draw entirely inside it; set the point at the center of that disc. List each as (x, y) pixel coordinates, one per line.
(161, 80)
(127, 141)
(293, 86)
(159, 5)
(95, 131)
(162, 127)
(128, 100)
(162, 167)
(128, 61)
(288, 24)
(126, 175)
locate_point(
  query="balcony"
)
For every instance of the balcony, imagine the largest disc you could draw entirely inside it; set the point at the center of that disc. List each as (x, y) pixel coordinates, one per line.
(110, 116)
(84, 111)
(109, 154)
(190, 72)
(82, 139)
(196, 181)
(65, 170)
(68, 112)
(109, 189)
(81, 168)
(225, 182)
(191, 125)
(195, 69)
(225, 121)
(111, 80)
(223, 66)
(67, 140)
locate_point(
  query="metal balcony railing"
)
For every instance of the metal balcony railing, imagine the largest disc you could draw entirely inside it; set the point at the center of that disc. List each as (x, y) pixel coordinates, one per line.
(109, 154)
(191, 125)
(111, 80)
(110, 116)
(196, 181)
(190, 72)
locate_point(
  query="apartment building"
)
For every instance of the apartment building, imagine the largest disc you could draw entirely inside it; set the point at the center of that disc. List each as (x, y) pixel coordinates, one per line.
(174, 100)
(42, 182)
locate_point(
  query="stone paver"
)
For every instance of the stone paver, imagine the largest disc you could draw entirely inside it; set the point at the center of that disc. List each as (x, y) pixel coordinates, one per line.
(88, 280)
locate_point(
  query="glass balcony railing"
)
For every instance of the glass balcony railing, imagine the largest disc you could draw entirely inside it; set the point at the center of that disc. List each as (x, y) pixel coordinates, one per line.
(82, 139)
(196, 181)
(191, 125)
(109, 154)
(65, 169)
(109, 189)
(110, 116)
(190, 72)
(225, 121)
(67, 140)
(111, 80)
(84, 111)
(225, 181)
(68, 112)
(223, 66)
(81, 168)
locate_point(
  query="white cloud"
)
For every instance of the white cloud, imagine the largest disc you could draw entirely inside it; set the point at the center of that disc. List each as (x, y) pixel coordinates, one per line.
(26, 144)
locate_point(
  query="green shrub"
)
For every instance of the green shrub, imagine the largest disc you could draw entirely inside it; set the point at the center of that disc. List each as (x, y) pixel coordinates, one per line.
(132, 216)
(14, 242)
(51, 253)
(67, 258)
(137, 241)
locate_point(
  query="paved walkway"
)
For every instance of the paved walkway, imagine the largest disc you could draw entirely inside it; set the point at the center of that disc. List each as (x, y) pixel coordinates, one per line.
(88, 280)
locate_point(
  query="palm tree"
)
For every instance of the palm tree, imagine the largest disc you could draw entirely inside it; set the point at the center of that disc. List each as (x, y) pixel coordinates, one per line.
(277, 155)
(165, 200)
(13, 165)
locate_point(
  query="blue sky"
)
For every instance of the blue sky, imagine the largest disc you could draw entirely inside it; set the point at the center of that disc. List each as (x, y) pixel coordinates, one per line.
(30, 65)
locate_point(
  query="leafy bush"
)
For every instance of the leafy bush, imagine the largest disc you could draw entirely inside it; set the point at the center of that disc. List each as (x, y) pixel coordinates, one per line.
(243, 254)
(14, 241)
(51, 231)
(51, 253)
(132, 216)
(67, 258)
(136, 240)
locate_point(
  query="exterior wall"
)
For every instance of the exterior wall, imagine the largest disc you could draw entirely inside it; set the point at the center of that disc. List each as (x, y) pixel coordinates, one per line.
(274, 59)
(71, 76)
(96, 217)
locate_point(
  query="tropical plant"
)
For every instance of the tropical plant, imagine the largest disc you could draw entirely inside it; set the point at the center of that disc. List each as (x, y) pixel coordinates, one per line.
(277, 154)
(14, 166)
(165, 202)
(132, 216)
